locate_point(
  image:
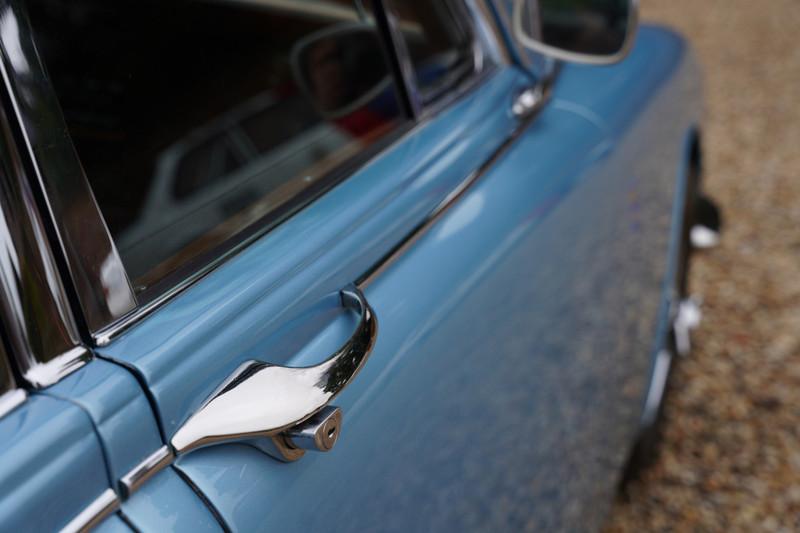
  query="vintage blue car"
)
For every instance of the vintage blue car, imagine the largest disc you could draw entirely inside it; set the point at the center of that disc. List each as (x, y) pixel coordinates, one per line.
(468, 222)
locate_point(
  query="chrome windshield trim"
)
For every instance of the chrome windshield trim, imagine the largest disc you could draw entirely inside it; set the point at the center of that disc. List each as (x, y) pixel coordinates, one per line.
(150, 466)
(11, 400)
(94, 513)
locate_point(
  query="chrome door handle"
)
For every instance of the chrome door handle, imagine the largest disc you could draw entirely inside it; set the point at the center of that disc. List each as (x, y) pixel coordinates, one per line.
(265, 400)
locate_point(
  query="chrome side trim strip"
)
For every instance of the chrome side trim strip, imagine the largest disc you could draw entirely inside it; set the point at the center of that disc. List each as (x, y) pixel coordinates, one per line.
(11, 400)
(542, 91)
(140, 473)
(94, 513)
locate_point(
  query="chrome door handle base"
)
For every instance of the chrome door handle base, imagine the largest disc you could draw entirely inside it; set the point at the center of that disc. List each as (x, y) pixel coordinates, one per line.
(264, 400)
(319, 434)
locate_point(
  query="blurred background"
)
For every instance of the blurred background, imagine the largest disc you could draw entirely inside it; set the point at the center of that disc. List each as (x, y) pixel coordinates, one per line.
(730, 458)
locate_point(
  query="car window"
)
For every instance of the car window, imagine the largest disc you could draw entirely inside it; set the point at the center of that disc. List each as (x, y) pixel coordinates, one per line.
(439, 43)
(198, 120)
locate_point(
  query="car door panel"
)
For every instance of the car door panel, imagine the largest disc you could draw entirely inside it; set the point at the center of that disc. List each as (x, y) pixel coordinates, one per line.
(516, 336)
(430, 423)
(51, 465)
(188, 346)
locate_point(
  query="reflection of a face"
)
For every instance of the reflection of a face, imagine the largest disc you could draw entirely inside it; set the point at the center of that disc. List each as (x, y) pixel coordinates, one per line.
(326, 72)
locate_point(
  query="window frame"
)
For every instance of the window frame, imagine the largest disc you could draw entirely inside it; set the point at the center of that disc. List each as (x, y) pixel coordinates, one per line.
(41, 336)
(423, 103)
(11, 396)
(107, 311)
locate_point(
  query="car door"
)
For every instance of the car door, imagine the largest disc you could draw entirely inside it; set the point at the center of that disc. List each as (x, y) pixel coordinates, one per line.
(508, 236)
(72, 425)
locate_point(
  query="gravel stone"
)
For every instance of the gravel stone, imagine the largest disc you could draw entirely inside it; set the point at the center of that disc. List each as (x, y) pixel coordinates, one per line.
(730, 458)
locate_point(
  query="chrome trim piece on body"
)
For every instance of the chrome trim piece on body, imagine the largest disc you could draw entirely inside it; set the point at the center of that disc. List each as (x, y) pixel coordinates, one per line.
(264, 400)
(140, 473)
(11, 400)
(655, 392)
(94, 513)
(527, 102)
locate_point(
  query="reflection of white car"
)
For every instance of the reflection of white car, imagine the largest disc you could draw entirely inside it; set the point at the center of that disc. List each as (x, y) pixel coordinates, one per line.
(220, 169)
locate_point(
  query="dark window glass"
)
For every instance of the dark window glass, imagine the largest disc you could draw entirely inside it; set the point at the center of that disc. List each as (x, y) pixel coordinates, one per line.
(196, 119)
(438, 41)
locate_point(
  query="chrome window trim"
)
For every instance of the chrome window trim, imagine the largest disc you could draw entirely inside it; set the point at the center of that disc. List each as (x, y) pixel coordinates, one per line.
(101, 284)
(94, 513)
(11, 399)
(41, 333)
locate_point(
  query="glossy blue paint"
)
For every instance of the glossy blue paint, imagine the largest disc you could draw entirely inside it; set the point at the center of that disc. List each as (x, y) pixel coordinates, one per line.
(167, 503)
(51, 465)
(447, 414)
(119, 411)
(515, 337)
(667, 83)
(113, 524)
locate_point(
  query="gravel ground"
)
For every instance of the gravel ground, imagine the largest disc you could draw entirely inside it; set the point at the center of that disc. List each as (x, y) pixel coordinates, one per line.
(731, 452)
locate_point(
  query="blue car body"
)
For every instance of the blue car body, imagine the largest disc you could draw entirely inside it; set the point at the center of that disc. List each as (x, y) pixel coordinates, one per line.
(517, 329)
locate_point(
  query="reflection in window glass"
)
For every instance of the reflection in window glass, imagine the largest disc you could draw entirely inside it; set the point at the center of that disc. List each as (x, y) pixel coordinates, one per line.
(196, 119)
(438, 42)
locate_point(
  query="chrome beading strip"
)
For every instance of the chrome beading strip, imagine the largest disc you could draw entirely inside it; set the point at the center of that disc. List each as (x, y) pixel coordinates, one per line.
(140, 473)
(94, 513)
